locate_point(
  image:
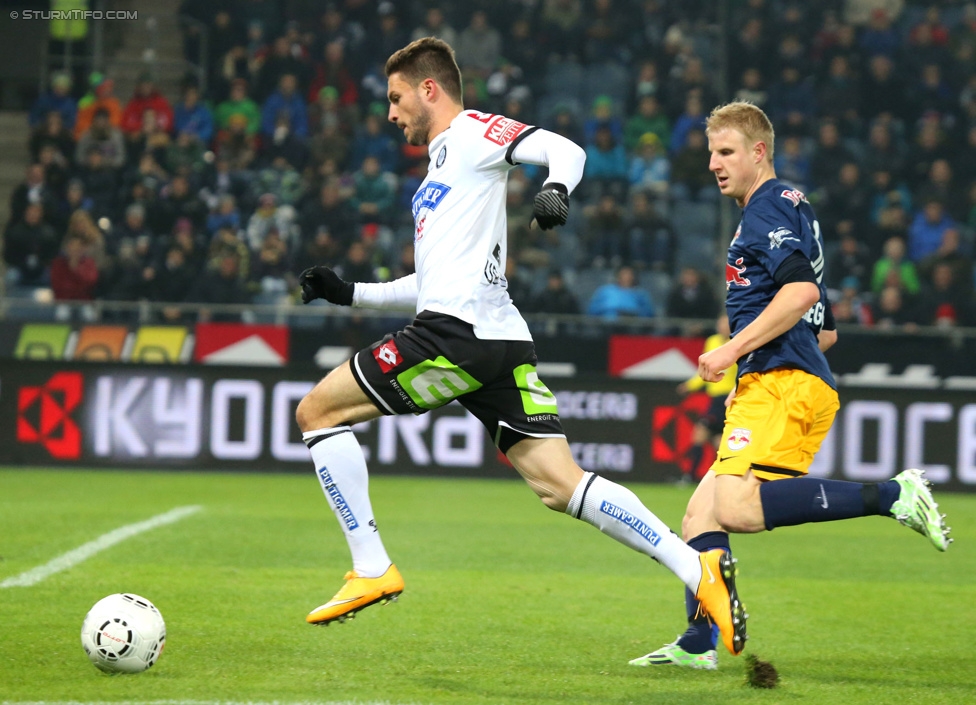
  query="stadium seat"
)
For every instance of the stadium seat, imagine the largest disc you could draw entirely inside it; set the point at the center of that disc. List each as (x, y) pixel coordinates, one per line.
(690, 218)
(658, 285)
(609, 79)
(42, 341)
(101, 343)
(696, 251)
(156, 344)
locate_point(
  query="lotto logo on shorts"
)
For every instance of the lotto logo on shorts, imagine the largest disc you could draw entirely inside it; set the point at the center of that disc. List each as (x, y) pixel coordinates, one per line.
(739, 438)
(503, 130)
(387, 356)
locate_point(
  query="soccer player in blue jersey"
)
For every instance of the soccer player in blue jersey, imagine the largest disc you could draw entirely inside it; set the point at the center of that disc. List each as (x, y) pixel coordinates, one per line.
(786, 397)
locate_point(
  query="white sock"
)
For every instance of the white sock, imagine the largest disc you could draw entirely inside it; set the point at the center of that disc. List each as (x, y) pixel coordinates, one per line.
(341, 469)
(617, 512)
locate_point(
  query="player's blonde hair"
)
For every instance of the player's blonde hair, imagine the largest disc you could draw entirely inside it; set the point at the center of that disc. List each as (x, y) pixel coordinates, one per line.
(745, 117)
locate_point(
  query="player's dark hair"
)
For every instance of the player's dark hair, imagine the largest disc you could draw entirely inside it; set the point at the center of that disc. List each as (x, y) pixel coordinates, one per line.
(425, 58)
(745, 117)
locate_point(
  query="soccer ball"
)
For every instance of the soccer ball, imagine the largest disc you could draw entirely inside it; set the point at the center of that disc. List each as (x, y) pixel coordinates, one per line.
(123, 633)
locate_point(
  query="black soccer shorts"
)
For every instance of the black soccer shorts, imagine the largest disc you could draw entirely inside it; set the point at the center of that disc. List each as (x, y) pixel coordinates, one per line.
(437, 359)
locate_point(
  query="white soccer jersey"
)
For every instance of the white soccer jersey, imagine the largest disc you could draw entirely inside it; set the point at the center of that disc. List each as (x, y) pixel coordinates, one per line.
(460, 227)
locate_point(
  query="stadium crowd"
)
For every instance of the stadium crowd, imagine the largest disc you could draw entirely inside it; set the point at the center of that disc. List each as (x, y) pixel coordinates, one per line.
(283, 158)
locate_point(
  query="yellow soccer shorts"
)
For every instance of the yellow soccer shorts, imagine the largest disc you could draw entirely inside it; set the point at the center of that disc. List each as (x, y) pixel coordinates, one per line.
(775, 424)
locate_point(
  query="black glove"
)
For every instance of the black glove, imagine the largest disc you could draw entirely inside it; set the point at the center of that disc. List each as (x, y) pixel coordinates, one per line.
(322, 283)
(551, 206)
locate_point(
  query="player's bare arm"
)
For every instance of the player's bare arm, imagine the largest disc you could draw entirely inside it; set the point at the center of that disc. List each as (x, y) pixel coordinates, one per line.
(784, 311)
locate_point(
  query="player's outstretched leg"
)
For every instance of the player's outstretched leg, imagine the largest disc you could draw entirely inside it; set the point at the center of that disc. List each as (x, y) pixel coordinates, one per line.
(341, 470)
(617, 512)
(916, 508)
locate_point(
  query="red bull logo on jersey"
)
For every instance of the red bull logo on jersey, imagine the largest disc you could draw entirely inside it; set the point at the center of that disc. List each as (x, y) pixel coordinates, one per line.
(734, 274)
(795, 197)
(739, 438)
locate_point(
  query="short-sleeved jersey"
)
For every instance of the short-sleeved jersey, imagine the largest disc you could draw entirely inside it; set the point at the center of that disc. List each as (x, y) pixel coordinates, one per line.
(460, 225)
(777, 221)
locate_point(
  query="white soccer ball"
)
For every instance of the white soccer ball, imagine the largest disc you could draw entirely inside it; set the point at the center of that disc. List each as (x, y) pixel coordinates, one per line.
(123, 633)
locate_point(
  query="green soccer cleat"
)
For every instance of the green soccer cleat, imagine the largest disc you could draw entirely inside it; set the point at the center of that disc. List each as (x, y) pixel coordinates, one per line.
(916, 508)
(674, 655)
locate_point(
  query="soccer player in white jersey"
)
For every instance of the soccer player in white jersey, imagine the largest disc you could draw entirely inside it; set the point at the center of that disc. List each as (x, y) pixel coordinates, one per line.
(469, 342)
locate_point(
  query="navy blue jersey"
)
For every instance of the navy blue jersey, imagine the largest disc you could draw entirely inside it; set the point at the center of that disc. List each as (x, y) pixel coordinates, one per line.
(777, 221)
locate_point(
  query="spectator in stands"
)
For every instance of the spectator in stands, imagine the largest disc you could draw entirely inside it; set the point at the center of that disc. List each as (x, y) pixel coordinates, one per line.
(282, 180)
(389, 37)
(518, 287)
(100, 96)
(555, 298)
(221, 285)
(880, 37)
(603, 115)
(372, 140)
(34, 189)
(146, 97)
(435, 25)
(605, 231)
(927, 229)
(751, 88)
(839, 97)
(268, 216)
(850, 307)
(883, 91)
(690, 177)
(941, 186)
(691, 296)
(288, 101)
(829, 155)
(892, 311)
(284, 145)
(238, 103)
(792, 164)
(950, 253)
(319, 248)
(852, 260)
(932, 95)
(885, 189)
(178, 201)
(52, 132)
(962, 40)
(606, 165)
(649, 234)
(332, 71)
(374, 193)
(356, 265)
(479, 47)
(236, 147)
(605, 32)
(57, 100)
(30, 245)
(884, 152)
(329, 210)
(74, 273)
(185, 155)
(278, 62)
(564, 123)
(193, 117)
(650, 170)
(692, 119)
(943, 301)
(151, 138)
(894, 260)
(56, 169)
(174, 280)
(621, 298)
(101, 184)
(270, 274)
(792, 101)
(225, 215)
(649, 119)
(847, 198)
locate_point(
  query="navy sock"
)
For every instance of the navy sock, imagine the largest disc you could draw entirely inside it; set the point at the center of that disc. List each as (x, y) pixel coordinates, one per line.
(700, 635)
(803, 500)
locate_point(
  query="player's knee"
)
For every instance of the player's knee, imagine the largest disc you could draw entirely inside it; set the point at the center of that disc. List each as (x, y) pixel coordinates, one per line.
(310, 415)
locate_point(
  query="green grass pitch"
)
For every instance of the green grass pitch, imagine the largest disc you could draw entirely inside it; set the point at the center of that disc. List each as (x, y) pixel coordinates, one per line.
(505, 601)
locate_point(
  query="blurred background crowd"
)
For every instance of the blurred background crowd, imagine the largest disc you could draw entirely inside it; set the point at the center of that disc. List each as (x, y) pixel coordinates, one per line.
(281, 157)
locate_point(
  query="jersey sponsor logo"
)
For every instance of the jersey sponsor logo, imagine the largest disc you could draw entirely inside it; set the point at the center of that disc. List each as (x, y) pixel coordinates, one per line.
(780, 235)
(625, 517)
(739, 438)
(387, 356)
(503, 130)
(733, 274)
(429, 196)
(480, 117)
(795, 197)
(441, 157)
